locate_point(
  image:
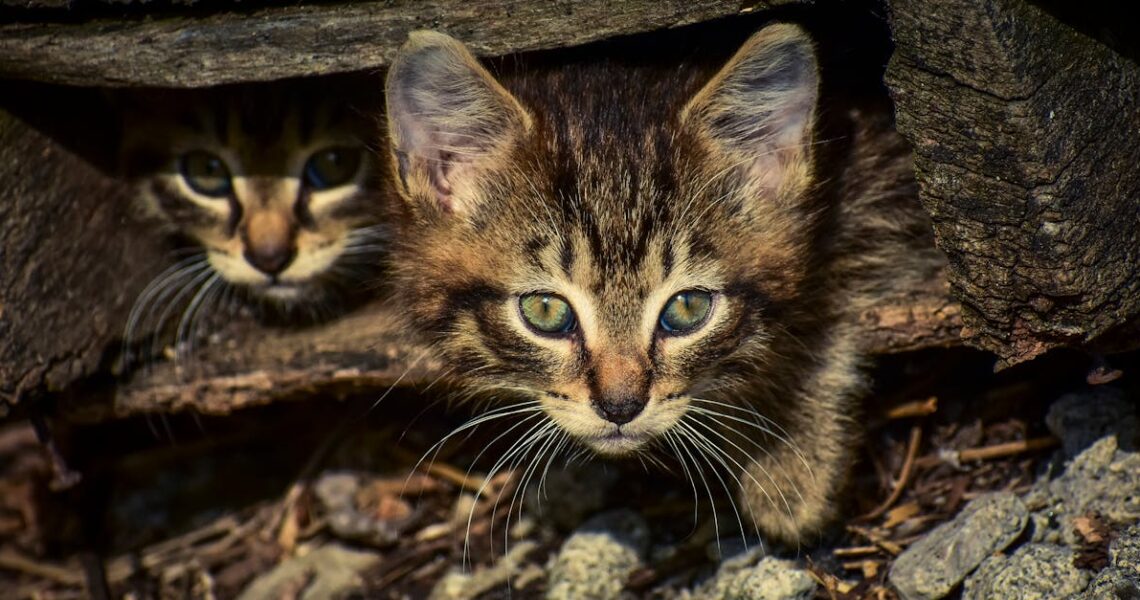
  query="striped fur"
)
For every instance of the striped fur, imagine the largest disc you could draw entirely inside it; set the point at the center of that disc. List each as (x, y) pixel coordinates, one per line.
(265, 133)
(618, 184)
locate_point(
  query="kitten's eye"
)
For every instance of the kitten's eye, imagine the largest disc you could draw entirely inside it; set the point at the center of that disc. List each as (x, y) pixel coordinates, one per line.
(547, 313)
(206, 174)
(686, 311)
(332, 167)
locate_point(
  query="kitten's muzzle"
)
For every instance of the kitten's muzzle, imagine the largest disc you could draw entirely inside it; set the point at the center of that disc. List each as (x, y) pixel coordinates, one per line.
(268, 241)
(620, 409)
(619, 385)
(270, 260)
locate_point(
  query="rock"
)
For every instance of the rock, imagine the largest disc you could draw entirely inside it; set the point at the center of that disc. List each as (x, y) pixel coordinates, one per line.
(1121, 579)
(1080, 419)
(595, 561)
(1113, 584)
(743, 578)
(339, 494)
(1103, 480)
(937, 563)
(457, 585)
(1124, 552)
(328, 572)
(1033, 572)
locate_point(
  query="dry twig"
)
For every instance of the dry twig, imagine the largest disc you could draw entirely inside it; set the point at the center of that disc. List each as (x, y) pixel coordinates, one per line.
(904, 476)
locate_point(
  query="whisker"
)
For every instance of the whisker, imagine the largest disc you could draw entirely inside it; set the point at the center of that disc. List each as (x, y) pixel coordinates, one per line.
(712, 452)
(779, 433)
(700, 473)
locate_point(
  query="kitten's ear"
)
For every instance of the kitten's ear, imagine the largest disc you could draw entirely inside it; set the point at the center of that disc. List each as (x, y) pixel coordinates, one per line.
(447, 118)
(760, 108)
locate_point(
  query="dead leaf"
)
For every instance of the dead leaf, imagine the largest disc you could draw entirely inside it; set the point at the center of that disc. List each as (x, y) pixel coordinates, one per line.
(901, 513)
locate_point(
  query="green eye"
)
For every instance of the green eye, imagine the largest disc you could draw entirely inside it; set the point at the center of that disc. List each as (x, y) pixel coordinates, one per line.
(547, 313)
(332, 167)
(686, 311)
(206, 173)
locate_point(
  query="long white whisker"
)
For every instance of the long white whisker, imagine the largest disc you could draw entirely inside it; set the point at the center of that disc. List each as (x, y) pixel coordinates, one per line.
(778, 433)
(701, 474)
(712, 452)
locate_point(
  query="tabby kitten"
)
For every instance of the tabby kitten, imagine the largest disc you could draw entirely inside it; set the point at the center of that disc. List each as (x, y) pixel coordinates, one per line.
(656, 259)
(274, 184)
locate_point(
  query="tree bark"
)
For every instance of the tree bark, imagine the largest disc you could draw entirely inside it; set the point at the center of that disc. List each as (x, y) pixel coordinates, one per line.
(69, 264)
(1025, 137)
(276, 42)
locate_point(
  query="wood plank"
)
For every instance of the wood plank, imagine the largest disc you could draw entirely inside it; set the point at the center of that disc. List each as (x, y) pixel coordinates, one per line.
(1024, 133)
(181, 50)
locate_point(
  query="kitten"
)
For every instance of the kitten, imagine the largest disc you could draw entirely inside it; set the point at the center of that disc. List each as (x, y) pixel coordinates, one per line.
(656, 259)
(273, 183)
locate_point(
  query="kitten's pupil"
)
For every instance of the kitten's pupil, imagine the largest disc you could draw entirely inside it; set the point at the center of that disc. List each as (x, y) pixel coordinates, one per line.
(547, 313)
(206, 173)
(686, 311)
(332, 167)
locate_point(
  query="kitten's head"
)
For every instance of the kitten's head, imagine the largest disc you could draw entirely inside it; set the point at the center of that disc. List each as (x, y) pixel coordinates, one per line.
(274, 181)
(611, 241)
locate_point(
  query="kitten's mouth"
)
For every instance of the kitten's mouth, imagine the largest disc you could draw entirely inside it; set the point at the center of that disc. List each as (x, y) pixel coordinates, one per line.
(281, 290)
(617, 442)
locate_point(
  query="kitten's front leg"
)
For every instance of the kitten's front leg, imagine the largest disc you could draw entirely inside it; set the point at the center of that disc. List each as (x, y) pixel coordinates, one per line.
(791, 487)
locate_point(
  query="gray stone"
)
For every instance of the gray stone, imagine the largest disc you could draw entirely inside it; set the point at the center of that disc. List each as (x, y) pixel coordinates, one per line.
(595, 561)
(458, 585)
(1103, 480)
(1120, 580)
(743, 578)
(937, 563)
(325, 573)
(336, 493)
(1113, 584)
(1080, 419)
(1124, 552)
(1033, 572)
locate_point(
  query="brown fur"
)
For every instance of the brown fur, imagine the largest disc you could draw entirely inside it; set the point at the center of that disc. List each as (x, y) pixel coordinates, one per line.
(272, 219)
(617, 186)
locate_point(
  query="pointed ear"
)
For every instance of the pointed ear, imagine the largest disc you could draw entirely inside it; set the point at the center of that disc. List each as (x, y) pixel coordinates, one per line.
(447, 118)
(760, 108)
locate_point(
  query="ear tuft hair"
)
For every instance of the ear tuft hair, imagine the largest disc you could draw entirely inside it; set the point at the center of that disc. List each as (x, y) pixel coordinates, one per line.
(760, 108)
(446, 115)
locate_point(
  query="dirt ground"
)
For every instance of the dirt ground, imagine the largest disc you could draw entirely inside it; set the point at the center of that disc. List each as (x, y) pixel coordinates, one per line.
(182, 506)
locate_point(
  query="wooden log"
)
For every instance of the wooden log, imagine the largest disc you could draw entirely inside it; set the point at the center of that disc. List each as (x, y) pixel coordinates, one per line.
(176, 49)
(1025, 136)
(69, 266)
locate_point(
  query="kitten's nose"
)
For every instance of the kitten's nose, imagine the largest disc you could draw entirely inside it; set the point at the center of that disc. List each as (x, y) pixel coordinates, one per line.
(268, 239)
(619, 410)
(270, 260)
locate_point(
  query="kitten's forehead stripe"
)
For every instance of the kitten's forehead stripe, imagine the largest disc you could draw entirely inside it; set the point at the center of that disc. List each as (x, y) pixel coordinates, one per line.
(533, 249)
(566, 255)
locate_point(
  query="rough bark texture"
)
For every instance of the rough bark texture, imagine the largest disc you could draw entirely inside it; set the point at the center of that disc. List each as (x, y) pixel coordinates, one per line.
(1025, 135)
(288, 41)
(68, 269)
